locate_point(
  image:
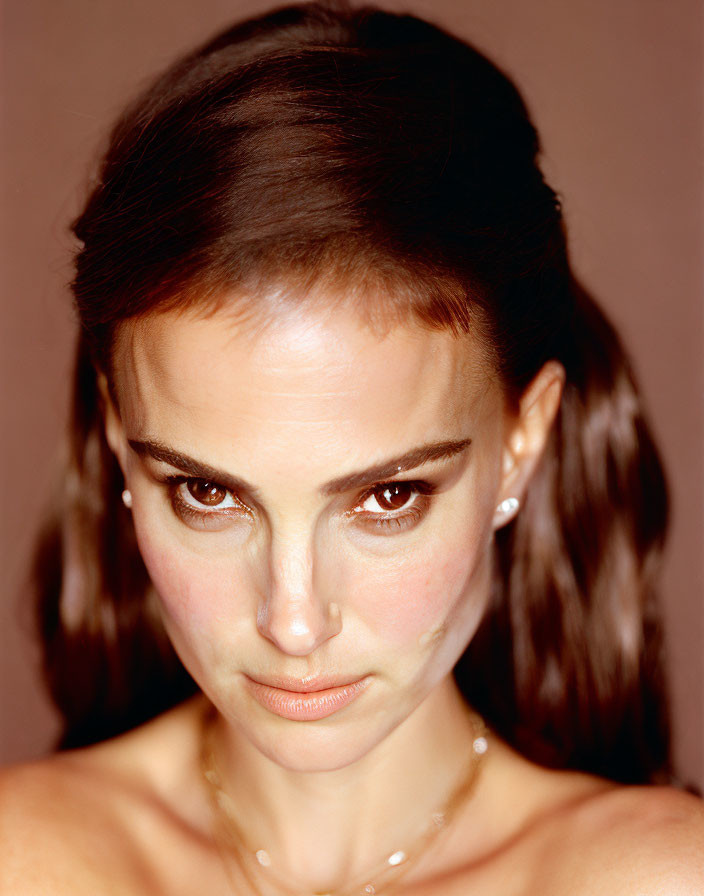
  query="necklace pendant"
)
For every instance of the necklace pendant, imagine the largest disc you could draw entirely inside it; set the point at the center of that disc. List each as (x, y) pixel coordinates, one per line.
(480, 745)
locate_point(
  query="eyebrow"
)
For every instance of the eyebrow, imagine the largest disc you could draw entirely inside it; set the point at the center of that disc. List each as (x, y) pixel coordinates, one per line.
(416, 457)
(186, 464)
(386, 470)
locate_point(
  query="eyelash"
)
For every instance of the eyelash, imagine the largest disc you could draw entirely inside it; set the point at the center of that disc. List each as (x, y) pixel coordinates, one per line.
(392, 522)
(203, 519)
(402, 519)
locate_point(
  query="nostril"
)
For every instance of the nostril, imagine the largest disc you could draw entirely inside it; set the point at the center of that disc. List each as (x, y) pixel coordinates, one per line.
(335, 617)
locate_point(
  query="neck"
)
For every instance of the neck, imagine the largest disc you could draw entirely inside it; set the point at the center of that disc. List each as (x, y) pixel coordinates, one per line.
(321, 828)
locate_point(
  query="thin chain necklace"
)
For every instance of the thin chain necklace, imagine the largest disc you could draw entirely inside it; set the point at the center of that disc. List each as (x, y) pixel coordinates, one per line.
(255, 864)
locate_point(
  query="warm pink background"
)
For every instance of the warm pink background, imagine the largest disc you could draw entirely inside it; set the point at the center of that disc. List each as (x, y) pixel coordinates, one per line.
(614, 86)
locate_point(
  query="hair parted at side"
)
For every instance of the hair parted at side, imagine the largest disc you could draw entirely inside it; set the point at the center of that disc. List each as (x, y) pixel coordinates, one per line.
(359, 153)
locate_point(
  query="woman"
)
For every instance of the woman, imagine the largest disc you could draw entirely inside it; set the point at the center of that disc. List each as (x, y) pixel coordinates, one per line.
(350, 442)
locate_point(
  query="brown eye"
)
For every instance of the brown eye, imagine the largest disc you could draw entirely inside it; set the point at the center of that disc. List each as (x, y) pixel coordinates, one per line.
(394, 496)
(206, 493)
(205, 505)
(393, 506)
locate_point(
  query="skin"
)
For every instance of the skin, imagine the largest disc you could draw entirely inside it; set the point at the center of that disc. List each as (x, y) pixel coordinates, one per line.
(288, 576)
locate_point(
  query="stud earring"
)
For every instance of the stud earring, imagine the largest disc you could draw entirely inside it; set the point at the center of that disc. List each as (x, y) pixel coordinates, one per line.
(509, 505)
(127, 498)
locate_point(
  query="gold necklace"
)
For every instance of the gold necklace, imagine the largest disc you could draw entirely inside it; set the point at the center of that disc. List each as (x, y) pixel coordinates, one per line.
(256, 863)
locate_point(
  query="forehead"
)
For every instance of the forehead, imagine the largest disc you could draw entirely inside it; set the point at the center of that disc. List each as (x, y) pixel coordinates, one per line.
(221, 389)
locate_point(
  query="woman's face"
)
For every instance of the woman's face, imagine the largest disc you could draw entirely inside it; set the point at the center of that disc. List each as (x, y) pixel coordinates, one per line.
(311, 499)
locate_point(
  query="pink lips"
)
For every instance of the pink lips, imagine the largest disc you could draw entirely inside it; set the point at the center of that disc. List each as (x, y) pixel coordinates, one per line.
(306, 700)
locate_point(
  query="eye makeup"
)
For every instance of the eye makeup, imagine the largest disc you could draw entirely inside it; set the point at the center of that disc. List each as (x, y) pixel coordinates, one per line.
(401, 505)
(202, 504)
(386, 508)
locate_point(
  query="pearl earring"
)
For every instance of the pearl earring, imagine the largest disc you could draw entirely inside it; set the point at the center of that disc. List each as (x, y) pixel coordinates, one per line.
(127, 498)
(510, 505)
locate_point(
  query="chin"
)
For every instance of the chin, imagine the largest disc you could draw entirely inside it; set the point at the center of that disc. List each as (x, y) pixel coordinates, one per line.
(315, 746)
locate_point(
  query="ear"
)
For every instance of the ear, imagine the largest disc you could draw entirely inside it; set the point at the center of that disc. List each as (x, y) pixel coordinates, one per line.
(114, 431)
(526, 436)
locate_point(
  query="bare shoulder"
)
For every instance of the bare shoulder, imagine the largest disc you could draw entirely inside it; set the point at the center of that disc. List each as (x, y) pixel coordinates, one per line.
(76, 822)
(645, 841)
(58, 828)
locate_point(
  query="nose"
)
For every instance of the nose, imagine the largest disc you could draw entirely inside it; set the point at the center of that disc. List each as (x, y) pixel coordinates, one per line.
(293, 614)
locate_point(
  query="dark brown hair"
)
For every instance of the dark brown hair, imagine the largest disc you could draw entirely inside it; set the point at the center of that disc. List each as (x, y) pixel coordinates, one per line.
(377, 155)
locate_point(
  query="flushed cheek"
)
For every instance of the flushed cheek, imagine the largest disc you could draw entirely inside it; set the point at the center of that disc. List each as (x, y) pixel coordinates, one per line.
(196, 596)
(417, 600)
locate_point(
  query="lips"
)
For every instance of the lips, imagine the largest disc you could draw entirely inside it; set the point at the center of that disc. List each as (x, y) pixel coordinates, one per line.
(307, 685)
(305, 699)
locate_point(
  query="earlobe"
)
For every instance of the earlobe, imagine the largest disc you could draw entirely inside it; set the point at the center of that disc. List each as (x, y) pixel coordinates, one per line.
(506, 511)
(527, 436)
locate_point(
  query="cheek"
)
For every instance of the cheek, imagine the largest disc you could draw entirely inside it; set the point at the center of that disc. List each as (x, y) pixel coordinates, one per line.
(420, 596)
(194, 592)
